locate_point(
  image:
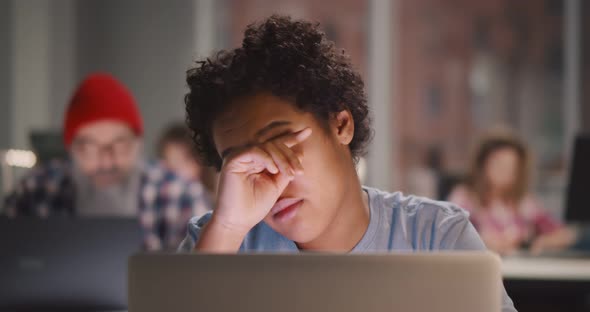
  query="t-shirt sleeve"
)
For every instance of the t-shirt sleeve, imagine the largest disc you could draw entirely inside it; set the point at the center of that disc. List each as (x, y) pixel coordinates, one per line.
(468, 239)
(461, 197)
(194, 228)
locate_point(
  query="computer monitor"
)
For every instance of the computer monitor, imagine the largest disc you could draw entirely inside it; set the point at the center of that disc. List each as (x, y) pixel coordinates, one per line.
(578, 191)
(48, 145)
(64, 264)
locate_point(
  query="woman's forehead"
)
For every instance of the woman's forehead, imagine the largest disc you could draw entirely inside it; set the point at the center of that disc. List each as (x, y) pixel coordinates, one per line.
(254, 112)
(248, 116)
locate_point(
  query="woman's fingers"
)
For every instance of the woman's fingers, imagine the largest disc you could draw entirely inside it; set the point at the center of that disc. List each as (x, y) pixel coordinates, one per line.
(254, 160)
(279, 157)
(295, 138)
(291, 157)
(275, 156)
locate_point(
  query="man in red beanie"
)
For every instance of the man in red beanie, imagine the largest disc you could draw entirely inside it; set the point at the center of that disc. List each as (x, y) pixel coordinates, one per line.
(107, 176)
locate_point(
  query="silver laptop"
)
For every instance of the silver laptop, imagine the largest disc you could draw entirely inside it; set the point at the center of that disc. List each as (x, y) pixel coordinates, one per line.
(444, 282)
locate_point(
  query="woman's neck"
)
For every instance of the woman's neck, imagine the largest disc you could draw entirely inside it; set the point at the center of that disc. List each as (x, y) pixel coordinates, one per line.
(349, 225)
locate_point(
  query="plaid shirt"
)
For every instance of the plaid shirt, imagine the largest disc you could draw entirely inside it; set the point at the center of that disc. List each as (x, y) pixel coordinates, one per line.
(166, 203)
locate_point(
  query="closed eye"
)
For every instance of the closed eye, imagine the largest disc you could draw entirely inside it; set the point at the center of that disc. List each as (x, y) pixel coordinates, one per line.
(283, 133)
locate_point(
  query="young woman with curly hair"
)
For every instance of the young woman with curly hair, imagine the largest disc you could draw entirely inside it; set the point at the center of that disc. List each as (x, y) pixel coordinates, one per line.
(284, 118)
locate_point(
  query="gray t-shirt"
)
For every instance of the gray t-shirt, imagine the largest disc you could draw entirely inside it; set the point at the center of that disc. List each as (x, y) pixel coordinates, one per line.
(397, 223)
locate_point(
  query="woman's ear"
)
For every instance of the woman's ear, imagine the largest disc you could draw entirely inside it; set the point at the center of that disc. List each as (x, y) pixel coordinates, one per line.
(343, 126)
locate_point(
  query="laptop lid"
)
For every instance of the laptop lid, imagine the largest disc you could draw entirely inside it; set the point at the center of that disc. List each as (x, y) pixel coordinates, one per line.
(65, 263)
(457, 282)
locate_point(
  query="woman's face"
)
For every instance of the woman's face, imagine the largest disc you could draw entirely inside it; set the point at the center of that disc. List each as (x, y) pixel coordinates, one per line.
(325, 158)
(501, 169)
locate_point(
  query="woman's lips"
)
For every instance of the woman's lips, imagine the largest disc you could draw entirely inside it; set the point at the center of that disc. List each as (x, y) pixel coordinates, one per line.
(285, 208)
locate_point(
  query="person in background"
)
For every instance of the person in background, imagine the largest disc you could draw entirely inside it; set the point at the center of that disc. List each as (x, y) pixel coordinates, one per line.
(177, 152)
(496, 194)
(107, 175)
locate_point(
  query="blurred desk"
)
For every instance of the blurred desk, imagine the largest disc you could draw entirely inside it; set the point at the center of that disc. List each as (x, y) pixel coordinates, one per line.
(544, 284)
(542, 268)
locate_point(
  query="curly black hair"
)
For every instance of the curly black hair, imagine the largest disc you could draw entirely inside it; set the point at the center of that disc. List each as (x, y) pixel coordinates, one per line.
(291, 59)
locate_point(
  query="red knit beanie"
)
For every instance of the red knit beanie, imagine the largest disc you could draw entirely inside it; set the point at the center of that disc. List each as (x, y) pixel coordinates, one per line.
(101, 97)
